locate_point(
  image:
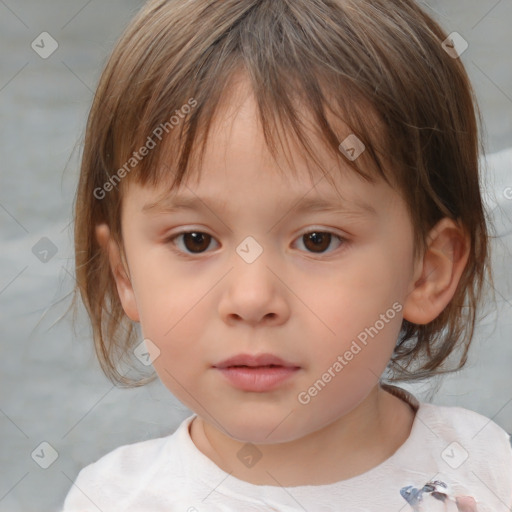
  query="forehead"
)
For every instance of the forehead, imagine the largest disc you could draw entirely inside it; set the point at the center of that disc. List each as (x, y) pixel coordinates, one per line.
(230, 184)
(199, 201)
(237, 161)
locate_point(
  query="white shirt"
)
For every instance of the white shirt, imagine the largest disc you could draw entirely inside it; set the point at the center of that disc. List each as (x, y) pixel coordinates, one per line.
(450, 452)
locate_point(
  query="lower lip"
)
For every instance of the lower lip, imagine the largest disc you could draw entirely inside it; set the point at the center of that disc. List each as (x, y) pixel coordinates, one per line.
(259, 378)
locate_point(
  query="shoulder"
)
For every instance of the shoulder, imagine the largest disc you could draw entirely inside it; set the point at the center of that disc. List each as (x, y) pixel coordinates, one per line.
(467, 441)
(466, 425)
(130, 459)
(120, 474)
(449, 423)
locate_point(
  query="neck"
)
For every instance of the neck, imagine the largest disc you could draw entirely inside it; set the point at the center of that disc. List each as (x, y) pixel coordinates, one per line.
(350, 446)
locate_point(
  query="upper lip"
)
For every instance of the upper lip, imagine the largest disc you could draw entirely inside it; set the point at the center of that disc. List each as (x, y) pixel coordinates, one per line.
(254, 360)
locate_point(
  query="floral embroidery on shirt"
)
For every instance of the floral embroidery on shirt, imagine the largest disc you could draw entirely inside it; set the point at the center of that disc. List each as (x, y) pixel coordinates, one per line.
(434, 496)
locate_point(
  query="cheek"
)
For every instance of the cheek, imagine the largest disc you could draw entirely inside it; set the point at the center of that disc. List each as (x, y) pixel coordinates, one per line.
(164, 293)
(180, 334)
(356, 296)
(174, 309)
(359, 313)
(176, 317)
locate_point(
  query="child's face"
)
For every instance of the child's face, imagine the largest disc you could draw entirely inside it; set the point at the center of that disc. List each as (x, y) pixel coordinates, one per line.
(306, 300)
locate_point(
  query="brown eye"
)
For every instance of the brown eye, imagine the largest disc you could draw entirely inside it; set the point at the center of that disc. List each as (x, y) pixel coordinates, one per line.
(194, 242)
(318, 241)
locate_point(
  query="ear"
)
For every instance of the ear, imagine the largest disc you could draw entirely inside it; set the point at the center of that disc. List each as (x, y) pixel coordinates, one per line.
(120, 272)
(437, 274)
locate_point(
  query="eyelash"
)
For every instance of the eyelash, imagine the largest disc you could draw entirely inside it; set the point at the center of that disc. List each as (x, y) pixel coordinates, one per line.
(171, 240)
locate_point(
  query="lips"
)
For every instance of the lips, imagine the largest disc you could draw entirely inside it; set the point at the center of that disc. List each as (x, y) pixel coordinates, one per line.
(255, 361)
(257, 374)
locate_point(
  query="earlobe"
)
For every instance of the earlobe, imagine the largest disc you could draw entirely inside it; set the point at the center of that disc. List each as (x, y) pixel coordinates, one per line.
(120, 272)
(439, 271)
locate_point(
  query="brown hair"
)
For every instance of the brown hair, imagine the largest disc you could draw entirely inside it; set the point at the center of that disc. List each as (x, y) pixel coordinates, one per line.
(357, 59)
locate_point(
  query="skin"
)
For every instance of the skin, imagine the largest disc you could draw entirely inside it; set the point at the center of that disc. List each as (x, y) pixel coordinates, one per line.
(303, 306)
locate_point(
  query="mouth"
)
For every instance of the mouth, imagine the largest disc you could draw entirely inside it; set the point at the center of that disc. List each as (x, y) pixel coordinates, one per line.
(255, 361)
(263, 366)
(259, 374)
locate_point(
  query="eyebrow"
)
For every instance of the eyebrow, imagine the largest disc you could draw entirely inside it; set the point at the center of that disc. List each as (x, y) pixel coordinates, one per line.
(177, 203)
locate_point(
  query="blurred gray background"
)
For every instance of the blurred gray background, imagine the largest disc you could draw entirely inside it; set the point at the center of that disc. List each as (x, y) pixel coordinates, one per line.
(51, 389)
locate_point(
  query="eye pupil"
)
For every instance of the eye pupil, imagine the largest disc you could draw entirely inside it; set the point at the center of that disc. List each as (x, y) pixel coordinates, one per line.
(200, 241)
(320, 241)
(197, 242)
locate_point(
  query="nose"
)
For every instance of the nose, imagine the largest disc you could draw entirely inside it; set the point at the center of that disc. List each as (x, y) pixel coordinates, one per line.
(254, 293)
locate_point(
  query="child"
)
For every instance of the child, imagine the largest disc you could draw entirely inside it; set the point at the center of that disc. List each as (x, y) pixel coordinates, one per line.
(327, 151)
